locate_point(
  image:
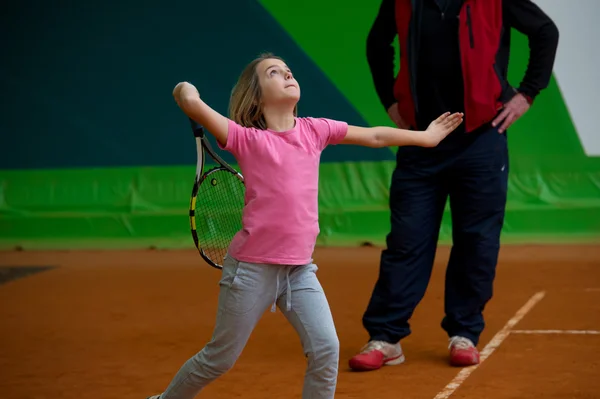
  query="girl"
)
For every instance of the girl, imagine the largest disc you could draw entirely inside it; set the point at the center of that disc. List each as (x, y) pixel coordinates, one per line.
(269, 261)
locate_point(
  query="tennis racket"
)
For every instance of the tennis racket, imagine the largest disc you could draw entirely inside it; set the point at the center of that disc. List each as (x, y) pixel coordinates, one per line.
(216, 204)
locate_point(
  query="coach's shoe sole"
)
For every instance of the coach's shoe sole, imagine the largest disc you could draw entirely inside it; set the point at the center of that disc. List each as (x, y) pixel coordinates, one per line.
(377, 354)
(462, 352)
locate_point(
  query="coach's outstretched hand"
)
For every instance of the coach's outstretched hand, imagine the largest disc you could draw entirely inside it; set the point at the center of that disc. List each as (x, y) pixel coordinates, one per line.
(441, 127)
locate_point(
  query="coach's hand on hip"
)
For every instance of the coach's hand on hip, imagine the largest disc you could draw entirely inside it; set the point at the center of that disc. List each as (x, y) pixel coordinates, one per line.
(512, 111)
(394, 115)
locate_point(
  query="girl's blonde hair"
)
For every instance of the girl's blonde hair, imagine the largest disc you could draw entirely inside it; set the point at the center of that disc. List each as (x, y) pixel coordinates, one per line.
(245, 102)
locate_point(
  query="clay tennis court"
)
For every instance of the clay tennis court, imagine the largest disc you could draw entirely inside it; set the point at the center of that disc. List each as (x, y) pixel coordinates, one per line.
(100, 325)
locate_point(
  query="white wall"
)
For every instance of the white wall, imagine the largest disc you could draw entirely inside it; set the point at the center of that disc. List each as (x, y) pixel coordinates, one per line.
(577, 66)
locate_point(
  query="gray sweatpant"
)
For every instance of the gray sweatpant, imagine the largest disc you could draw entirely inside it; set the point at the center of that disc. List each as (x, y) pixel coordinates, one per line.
(246, 291)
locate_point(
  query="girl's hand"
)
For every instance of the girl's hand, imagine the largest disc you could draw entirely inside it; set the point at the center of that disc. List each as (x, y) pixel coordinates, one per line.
(183, 89)
(188, 99)
(442, 127)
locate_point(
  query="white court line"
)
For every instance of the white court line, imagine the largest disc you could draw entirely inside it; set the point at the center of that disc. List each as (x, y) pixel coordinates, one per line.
(583, 332)
(490, 347)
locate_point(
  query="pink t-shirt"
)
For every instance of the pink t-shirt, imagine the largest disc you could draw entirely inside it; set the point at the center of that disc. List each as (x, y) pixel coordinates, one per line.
(281, 170)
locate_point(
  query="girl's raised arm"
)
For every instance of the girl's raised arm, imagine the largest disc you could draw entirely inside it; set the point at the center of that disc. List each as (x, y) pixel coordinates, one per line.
(188, 99)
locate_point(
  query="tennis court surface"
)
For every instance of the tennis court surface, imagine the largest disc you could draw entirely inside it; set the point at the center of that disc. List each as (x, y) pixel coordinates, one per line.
(104, 324)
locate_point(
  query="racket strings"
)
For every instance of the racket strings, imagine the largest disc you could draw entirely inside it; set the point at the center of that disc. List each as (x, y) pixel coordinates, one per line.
(219, 206)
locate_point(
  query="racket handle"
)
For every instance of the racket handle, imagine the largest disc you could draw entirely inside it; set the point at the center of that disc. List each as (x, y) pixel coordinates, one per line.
(196, 128)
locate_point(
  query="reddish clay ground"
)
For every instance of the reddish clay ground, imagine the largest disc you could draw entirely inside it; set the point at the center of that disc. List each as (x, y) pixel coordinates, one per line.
(119, 324)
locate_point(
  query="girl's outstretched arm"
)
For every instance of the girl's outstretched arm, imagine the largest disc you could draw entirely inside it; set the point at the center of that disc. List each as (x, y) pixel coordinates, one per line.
(188, 99)
(383, 136)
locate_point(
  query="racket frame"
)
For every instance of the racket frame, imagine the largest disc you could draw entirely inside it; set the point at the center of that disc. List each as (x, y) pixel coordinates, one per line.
(202, 146)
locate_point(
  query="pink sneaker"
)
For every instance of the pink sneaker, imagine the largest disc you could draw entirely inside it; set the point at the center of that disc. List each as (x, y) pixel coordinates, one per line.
(463, 352)
(376, 354)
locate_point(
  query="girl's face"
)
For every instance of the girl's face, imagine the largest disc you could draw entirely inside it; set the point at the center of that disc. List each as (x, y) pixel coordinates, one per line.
(277, 83)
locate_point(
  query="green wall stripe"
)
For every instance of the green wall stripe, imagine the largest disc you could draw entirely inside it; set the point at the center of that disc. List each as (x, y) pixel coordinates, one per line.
(139, 207)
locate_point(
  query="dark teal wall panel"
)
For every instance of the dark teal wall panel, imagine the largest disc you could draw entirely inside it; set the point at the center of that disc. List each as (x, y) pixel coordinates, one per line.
(88, 84)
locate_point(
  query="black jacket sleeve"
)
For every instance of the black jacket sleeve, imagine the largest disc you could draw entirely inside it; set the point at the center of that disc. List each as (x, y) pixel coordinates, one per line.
(529, 19)
(380, 52)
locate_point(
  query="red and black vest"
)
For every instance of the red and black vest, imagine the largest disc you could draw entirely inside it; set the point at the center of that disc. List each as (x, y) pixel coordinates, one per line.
(480, 33)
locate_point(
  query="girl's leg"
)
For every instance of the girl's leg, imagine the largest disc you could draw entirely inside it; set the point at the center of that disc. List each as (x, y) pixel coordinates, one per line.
(308, 311)
(246, 292)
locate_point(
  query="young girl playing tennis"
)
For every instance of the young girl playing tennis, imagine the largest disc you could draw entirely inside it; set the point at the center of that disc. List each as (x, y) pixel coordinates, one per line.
(270, 260)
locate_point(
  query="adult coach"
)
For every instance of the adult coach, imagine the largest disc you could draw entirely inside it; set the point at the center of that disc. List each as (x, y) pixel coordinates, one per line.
(453, 57)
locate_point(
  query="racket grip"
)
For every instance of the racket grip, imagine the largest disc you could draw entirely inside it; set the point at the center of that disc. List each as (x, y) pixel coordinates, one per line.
(196, 128)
